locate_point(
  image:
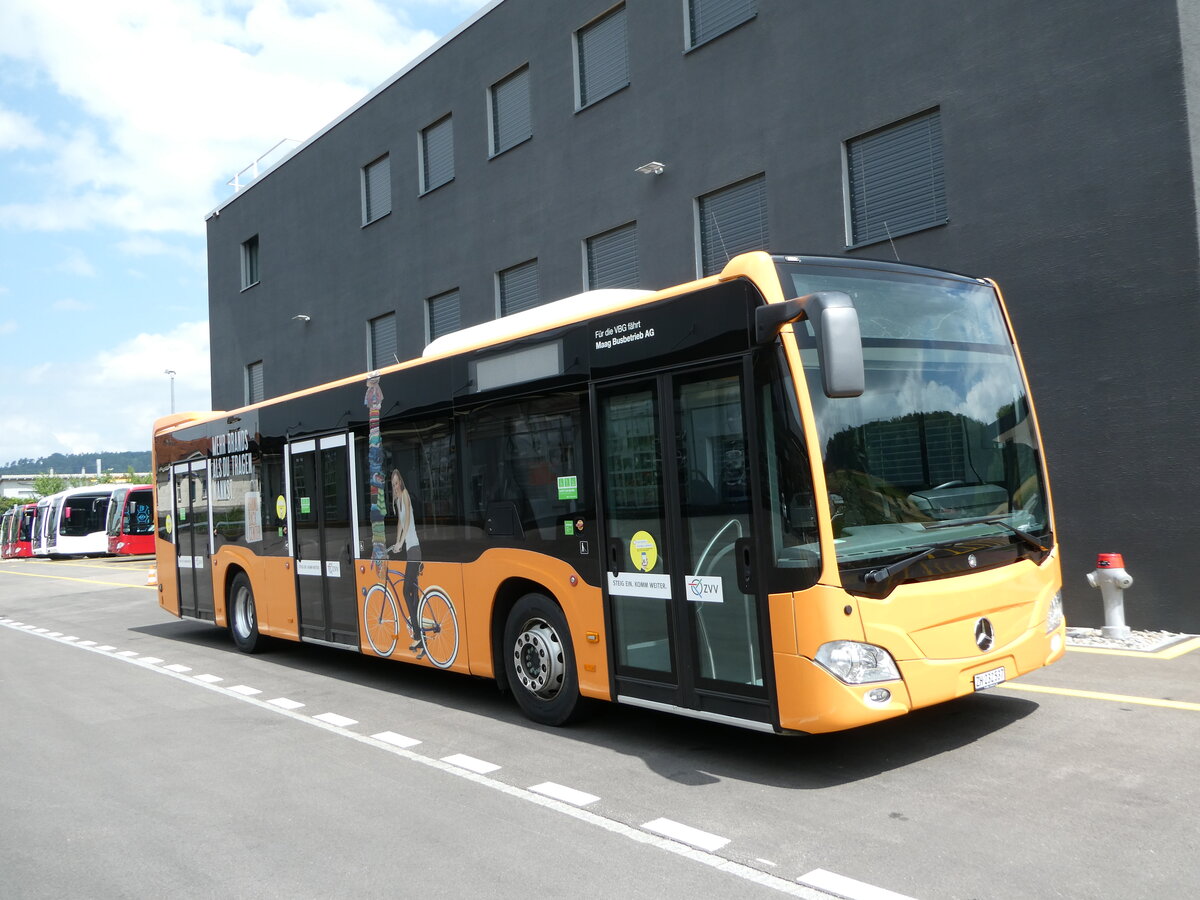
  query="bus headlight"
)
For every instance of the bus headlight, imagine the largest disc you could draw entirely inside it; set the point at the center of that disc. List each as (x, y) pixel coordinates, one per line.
(1054, 617)
(856, 663)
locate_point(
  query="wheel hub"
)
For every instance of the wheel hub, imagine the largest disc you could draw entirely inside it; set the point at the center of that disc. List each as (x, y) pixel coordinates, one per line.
(539, 659)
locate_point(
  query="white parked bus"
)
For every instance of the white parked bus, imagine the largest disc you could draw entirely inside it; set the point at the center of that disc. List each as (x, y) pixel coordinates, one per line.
(72, 522)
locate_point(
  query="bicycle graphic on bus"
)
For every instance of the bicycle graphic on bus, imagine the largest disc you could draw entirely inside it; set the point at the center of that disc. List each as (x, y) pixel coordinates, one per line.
(437, 635)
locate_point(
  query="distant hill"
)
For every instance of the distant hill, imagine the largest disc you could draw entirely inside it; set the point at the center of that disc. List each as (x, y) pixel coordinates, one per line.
(74, 463)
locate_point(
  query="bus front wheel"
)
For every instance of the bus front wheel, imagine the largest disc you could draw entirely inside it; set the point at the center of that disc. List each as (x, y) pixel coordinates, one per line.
(243, 619)
(540, 662)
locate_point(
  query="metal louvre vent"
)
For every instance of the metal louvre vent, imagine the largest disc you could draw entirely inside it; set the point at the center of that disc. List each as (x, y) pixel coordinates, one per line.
(437, 154)
(519, 288)
(603, 57)
(896, 180)
(511, 119)
(732, 221)
(382, 341)
(612, 259)
(377, 190)
(444, 314)
(709, 18)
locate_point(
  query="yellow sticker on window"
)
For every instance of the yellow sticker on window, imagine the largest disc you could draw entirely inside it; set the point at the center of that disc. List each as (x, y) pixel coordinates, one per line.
(643, 551)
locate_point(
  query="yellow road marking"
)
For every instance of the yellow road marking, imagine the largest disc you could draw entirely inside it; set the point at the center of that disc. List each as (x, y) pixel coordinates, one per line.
(147, 587)
(1175, 650)
(1099, 695)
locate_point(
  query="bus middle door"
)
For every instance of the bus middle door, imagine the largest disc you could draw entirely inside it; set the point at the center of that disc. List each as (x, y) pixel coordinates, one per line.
(320, 484)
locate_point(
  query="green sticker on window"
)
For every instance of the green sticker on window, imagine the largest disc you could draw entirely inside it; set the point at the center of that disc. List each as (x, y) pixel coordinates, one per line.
(305, 506)
(568, 487)
(568, 528)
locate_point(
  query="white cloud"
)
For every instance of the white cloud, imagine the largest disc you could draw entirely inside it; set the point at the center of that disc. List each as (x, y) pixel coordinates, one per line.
(75, 263)
(108, 402)
(8, 327)
(18, 132)
(181, 95)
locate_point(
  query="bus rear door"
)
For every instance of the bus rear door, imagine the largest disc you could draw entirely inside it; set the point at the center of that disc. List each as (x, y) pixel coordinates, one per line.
(321, 503)
(193, 538)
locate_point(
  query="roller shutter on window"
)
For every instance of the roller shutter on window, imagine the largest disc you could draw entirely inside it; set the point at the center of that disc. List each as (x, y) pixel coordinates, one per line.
(437, 154)
(377, 190)
(519, 288)
(732, 221)
(896, 180)
(254, 382)
(511, 119)
(612, 259)
(709, 18)
(444, 314)
(603, 50)
(382, 341)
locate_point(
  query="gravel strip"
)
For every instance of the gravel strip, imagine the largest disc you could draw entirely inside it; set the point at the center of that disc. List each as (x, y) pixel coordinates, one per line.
(1146, 641)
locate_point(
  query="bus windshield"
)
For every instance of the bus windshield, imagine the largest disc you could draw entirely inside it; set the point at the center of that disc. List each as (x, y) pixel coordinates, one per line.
(940, 447)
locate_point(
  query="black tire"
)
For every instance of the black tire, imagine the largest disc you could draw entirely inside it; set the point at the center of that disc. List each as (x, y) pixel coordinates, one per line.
(243, 617)
(539, 661)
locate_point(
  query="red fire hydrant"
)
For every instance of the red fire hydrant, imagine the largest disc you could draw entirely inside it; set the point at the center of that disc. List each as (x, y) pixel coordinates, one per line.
(1112, 579)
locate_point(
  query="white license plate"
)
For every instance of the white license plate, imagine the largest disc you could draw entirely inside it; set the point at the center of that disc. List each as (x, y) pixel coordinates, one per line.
(989, 679)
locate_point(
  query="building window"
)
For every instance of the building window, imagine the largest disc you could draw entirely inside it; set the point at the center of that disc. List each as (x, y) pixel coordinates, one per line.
(508, 106)
(895, 180)
(518, 288)
(602, 57)
(707, 19)
(437, 154)
(381, 341)
(612, 258)
(443, 314)
(732, 220)
(254, 383)
(376, 189)
(250, 262)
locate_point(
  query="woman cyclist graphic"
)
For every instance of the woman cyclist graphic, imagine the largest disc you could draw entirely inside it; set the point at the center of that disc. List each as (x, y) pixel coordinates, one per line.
(407, 543)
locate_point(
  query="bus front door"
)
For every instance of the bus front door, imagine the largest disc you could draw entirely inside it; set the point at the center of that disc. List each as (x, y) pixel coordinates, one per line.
(320, 483)
(193, 539)
(685, 610)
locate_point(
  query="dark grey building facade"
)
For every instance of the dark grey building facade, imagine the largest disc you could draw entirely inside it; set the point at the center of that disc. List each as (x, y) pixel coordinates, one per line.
(1050, 146)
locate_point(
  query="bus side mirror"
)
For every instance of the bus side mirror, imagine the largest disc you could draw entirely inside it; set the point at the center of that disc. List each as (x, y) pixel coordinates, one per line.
(835, 325)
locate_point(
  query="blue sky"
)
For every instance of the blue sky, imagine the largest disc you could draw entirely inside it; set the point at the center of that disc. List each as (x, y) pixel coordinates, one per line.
(121, 123)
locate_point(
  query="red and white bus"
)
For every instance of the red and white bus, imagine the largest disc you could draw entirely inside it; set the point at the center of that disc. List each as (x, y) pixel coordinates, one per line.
(19, 526)
(72, 522)
(131, 520)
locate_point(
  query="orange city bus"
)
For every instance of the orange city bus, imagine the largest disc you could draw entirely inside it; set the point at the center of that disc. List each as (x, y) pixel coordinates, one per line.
(803, 495)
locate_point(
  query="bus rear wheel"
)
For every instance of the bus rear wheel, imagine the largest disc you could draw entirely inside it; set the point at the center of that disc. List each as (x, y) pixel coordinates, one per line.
(243, 619)
(540, 662)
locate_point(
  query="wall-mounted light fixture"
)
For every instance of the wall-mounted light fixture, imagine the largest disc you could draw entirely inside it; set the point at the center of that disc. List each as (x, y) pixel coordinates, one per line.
(301, 318)
(651, 168)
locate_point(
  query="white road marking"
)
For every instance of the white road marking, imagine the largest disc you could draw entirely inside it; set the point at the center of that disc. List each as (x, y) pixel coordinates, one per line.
(244, 690)
(176, 667)
(847, 887)
(285, 703)
(335, 719)
(470, 763)
(107, 648)
(565, 794)
(665, 844)
(396, 740)
(126, 653)
(149, 660)
(70, 637)
(686, 834)
(87, 643)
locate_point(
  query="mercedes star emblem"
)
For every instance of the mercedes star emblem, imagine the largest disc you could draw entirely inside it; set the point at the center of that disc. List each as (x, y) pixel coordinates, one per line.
(985, 635)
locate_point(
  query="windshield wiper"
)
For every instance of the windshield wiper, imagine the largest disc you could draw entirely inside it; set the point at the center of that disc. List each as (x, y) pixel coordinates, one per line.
(886, 573)
(988, 520)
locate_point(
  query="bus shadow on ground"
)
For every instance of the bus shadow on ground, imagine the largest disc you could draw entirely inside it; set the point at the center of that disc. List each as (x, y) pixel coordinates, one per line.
(682, 750)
